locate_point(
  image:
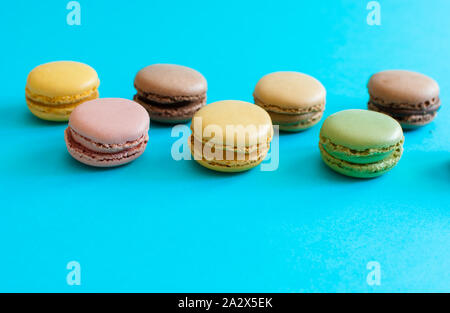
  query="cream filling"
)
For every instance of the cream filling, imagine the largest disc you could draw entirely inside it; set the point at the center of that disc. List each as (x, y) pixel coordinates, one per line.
(365, 152)
(220, 155)
(284, 110)
(381, 166)
(106, 148)
(61, 100)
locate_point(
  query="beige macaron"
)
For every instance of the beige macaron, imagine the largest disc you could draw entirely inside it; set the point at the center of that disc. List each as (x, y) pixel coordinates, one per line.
(295, 101)
(230, 136)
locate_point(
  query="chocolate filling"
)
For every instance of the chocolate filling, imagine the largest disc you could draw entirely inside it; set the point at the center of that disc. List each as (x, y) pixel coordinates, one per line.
(405, 110)
(182, 110)
(167, 105)
(103, 156)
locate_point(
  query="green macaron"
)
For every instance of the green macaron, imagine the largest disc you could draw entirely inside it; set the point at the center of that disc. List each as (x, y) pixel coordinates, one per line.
(361, 143)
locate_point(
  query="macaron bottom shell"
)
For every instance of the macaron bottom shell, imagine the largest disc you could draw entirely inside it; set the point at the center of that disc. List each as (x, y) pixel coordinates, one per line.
(228, 166)
(361, 170)
(228, 169)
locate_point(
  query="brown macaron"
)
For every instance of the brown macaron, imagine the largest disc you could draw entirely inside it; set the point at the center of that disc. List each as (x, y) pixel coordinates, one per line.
(170, 93)
(409, 97)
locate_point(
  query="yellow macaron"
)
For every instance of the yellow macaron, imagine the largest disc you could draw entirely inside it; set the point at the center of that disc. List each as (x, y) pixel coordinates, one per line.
(230, 136)
(54, 89)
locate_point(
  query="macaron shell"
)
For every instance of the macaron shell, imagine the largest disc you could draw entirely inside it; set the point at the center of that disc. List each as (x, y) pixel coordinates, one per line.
(170, 80)
(110, 120)
(285, 91)
(361, 129)
(225, 169)
(62, 78)
(406, 87)
(414, 125)
(232, 113)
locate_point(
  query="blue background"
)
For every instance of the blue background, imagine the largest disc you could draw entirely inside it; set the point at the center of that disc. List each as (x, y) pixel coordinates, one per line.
(162, 225)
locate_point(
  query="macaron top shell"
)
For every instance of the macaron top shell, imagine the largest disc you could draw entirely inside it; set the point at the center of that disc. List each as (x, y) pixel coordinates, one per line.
(399, 86)
(361, 129)
(246, 118)
(62, 78)
(110, 120)
(290, 90)
(170, 80)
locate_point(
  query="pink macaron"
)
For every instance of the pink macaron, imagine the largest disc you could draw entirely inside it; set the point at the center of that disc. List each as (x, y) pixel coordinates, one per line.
(107, 132)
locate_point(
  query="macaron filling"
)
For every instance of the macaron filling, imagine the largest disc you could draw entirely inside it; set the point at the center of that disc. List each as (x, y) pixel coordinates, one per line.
(59, 108)
(370, 155)
(211, 150)
(288, 110)
(367, 170)
(292, 118)
(103, 147)
(168, 108)
(228, 157)
(420, 113)
(61, 100)
(95, 152)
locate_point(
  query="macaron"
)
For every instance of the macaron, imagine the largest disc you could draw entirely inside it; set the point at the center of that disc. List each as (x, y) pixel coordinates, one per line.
(409, 97)
(230, 136)
(295, 101)
(170, 93)
(361, 143)
(107, 132)
(55, 89)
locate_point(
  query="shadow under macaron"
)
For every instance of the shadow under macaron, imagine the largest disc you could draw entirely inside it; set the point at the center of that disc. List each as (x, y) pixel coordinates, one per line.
(440, 171)
(48, 158)
(79, 166)
(206, 172)
(325, 173)
(17, 116)
(310, 166)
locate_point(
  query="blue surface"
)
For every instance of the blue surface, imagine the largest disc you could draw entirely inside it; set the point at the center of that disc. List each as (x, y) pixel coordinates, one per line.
(162, 225)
